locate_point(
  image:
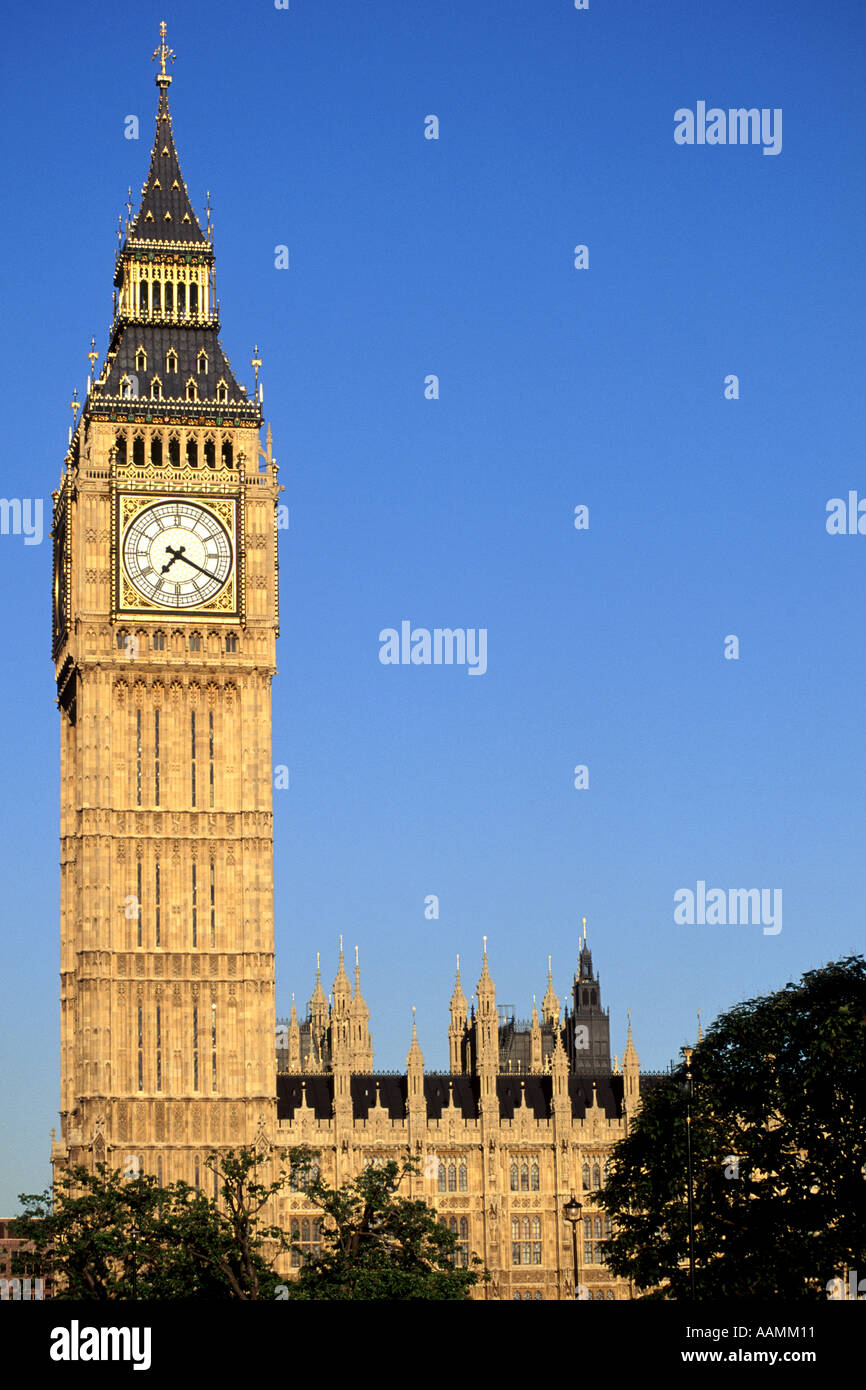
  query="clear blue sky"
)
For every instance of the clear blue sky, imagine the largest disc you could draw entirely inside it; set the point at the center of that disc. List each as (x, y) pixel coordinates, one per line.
(558, 387)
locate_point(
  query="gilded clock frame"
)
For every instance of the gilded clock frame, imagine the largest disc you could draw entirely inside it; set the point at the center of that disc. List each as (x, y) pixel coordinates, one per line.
(126, 601)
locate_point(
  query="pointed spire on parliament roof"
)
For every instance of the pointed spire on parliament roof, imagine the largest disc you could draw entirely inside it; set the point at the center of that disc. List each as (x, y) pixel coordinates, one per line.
(415, 1058)
(550, 1002)
(342, 989)
(166, 213)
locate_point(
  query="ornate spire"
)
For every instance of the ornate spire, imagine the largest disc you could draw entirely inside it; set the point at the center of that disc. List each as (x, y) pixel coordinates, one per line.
(415, 1058)
(485, 988)
(584, 969)
(166, 213)
(458, 998)
(550, 1002)
(342, 988)
(629, 1057)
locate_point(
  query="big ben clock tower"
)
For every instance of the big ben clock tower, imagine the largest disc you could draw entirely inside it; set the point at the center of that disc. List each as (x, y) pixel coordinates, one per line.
(165, 620)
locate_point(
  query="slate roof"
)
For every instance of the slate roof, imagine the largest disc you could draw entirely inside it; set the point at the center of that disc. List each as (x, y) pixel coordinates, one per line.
(156, 339)
(392, 1090)
(166, 213)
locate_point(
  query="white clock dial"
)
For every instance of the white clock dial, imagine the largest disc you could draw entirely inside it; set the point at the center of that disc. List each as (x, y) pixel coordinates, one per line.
(177, 554)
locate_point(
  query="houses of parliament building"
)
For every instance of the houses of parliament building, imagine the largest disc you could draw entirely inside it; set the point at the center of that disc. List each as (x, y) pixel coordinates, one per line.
(165, 618)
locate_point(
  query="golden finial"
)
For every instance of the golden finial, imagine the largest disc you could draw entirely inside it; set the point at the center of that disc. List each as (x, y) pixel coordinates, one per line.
(119, 230)
(583, 919)
(128, 205)
(162, 51)
(92, 355)
(256, 362)
(75, 406)
(700, 1029)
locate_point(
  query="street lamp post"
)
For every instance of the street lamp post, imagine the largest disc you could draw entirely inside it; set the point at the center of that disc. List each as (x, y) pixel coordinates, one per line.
(571, 1211)
(687, 1053)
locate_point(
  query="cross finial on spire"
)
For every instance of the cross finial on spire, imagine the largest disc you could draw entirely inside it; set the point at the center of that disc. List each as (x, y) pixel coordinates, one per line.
(256, 362)
(162, 51)
(92, 357)
(583, 919)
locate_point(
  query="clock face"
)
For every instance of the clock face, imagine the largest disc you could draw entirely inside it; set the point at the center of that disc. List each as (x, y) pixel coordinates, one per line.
(177, 554)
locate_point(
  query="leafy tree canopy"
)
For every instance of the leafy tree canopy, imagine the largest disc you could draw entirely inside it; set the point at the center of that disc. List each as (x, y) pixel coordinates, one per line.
(376, 1244)
(778, 1147)
(104, 1235)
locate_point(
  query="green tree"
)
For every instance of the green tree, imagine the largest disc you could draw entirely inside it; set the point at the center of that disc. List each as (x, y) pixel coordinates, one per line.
(778, 1147)
(101, 1235)
(376, 1244)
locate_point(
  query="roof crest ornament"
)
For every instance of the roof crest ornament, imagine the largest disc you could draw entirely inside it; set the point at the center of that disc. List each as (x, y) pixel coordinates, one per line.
(162, 50)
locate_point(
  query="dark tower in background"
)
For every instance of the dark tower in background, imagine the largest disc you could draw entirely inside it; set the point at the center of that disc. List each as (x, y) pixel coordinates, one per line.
(587, 1025)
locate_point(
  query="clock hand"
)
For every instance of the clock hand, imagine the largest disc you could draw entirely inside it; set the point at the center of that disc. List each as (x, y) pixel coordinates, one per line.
(175, 555)
(188, 561)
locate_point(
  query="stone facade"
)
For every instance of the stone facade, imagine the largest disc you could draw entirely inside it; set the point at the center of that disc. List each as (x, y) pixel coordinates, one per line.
(501, 1146)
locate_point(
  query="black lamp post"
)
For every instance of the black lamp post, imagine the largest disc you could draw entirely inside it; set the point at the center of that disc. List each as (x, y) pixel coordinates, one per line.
(571, 1211)
(687, 1053)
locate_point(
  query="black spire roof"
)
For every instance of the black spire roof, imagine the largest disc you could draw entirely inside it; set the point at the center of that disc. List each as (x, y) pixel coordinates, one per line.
(166, 213)
(164, 343)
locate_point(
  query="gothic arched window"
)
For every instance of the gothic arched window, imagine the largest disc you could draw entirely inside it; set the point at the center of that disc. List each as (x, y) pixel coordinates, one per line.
(228, 454)
(461, 1177)
(441, 1183)
(586, 1176)
(171, 360)
(524, 1177)
(534, 1178)
(452, 1177)
(191, 390)
(596, 1176)
(515, 1187)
